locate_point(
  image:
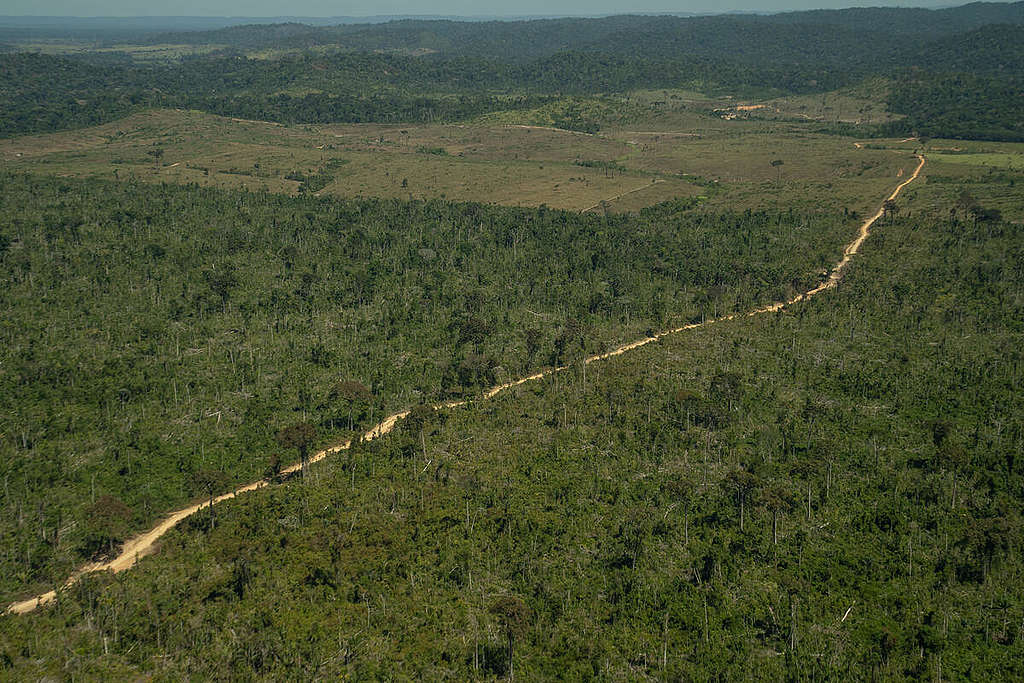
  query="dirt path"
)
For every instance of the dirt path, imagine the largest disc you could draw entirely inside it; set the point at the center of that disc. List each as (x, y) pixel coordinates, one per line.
(557, 130)
(144, 544)
(620, 196)
(666, 133)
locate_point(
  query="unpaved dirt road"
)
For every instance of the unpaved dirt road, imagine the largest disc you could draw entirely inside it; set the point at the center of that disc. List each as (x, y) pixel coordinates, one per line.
(609, 200)
(144, 544)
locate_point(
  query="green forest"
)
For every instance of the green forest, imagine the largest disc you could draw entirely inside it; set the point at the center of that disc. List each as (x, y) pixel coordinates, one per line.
(205, 321)
(949, 60)
(831, 490)
(661, 436)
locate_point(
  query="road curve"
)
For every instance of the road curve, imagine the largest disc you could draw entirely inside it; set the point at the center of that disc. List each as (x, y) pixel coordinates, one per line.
(144, 544)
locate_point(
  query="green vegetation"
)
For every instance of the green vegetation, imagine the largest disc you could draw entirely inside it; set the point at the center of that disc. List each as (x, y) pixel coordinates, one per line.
(829, 492)
(205, 321)
(962, 105)
(196, 294)
(500, 158)
(993, 159)
(448, 71)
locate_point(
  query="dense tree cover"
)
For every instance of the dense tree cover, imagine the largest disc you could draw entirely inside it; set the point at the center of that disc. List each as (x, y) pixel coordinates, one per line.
(152, 332)
(44, 93)
(959, 106)
(832, 492)
(489, 66)
(532, 39)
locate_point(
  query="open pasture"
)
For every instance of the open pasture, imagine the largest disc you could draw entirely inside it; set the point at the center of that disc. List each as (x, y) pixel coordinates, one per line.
(667, 155)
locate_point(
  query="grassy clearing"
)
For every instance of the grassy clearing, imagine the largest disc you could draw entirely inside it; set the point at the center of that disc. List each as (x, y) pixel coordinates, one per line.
(995, 159)
(863, 103)
(946, 181)
(139, 53)
(664, 155)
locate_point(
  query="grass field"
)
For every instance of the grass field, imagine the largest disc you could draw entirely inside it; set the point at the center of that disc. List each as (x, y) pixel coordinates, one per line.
(861, 103)
(1014, 160)
(649, 147)
(139, 53)
(992, 173)
(512, 160)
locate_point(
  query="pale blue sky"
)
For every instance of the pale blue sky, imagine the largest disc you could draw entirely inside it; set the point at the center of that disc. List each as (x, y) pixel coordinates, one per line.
(335, 8)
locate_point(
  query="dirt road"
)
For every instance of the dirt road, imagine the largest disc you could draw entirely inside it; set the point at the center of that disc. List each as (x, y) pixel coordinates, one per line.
(144, 544)
(620, 196)
(553, 128)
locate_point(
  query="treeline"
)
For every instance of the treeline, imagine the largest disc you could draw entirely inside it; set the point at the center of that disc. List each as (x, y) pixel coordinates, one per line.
(832, 492)
(40, 93)
(43, 93)
(718, 36)
(959, 106)
(321, 108)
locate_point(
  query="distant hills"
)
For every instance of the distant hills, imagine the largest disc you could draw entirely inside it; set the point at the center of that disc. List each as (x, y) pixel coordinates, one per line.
(529, 39)
(414, 67)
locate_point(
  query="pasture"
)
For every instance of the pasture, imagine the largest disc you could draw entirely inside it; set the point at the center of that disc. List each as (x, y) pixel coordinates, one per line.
(512, 159)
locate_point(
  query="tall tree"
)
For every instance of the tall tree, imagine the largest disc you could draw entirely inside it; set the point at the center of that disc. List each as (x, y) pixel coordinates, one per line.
(210, 480)
(514, 617)
(740, 484)
(299, 436)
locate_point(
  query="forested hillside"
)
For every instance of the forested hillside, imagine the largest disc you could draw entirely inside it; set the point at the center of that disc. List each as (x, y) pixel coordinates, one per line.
(443, 70)
(527, 40)
(960, 106)
(206, 321)
(830, 492)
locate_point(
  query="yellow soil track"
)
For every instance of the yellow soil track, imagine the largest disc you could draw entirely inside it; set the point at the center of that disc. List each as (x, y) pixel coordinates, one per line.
(144, 544)
(609, 200)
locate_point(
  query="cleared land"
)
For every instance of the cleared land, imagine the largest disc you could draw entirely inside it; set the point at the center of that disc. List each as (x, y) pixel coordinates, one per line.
(734, 163)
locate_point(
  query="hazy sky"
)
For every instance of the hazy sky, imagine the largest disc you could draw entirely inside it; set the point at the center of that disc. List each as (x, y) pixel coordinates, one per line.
(334, 8)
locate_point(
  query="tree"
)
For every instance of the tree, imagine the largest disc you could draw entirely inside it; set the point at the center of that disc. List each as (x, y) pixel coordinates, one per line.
(299, 436)
(940, 431)
(633, 533)
(351, 392)
(778, 501)
(514, 618)
(681, 489)
(777, 165)
(418, 418)
(986, 215)
(106, 522)
(221, 281)
(890, 209)
(740, 483)
(473, 331)
(274, 465)
(966, 202)
(476, 370)
(416, 423)
(727, 388)
(533, 342)
(210, 480)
